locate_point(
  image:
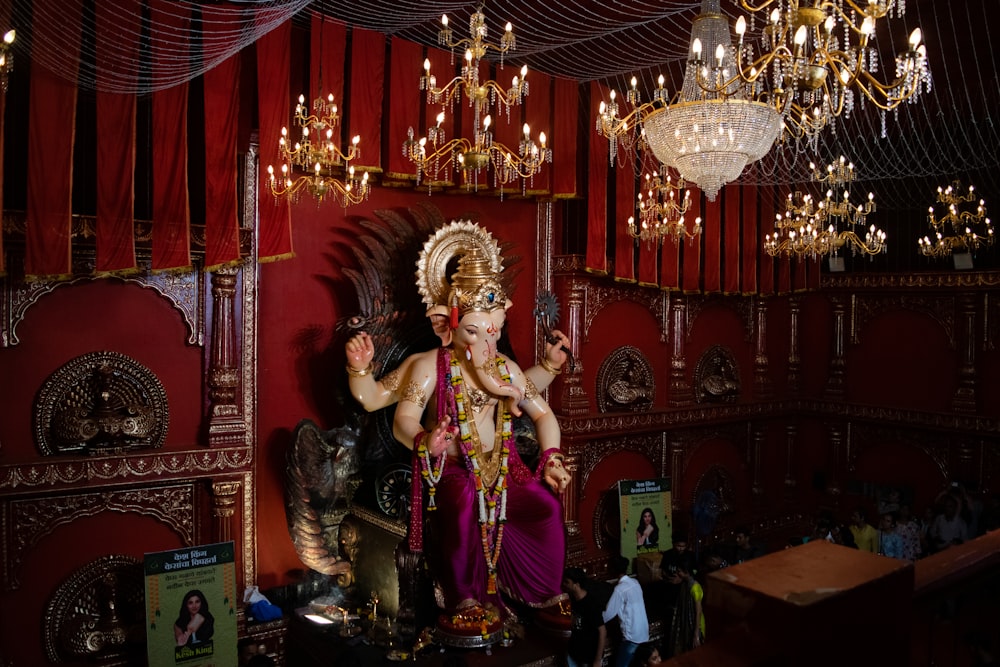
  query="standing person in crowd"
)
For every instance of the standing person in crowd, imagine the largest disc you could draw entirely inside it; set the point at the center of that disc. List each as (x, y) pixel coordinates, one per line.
(688, 628)
(865, 536)
(745, 548)
(588, 636)
(890, 543)
(627, 604)
(647, 655)
(909, 532)
(676, 555)
(949, 527)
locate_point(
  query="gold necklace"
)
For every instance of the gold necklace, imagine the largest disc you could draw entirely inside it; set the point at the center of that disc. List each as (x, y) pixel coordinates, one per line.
(489, 461)
(478, 398)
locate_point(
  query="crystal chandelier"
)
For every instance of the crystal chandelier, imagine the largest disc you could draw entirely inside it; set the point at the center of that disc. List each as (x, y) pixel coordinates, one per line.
(314, 163)
(661, 211)
(957, 230)
(817, 58)
(813, 229)
(713, 128)
(6, 58)
(435, 155)
(734, 104)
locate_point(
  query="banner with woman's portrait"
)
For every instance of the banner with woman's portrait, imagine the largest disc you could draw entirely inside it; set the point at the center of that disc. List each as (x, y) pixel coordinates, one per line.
(645, 516)
(190, 606)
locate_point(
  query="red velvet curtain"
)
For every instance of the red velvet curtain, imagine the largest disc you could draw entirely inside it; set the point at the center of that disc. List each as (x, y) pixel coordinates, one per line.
(367, 90)
(538, 116)
(648, 252)
(222, 234)
(171, 209)
(564, 138)
(691, 252)
(784, 261)
(443, 68)
(597, 188)
(767, 209)
(327, 64)
(407, 100)
(731, 232)
(274, 214)
(624, 209)
(117, 47)
(51, 121)
(751, 234)
(5, 7)
(712, 242)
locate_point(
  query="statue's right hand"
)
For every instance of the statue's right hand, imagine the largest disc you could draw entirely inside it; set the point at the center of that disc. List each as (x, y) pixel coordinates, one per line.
(360, 351)
(441, 438)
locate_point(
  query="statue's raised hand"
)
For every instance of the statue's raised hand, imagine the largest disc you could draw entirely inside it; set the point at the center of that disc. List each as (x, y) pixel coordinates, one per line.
(360, 351)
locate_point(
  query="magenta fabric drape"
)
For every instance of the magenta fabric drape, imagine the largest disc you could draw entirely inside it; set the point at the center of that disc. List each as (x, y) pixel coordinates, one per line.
(222, 93)
(51, 122)
(367, 89)
(117, 48)
(274, 215)
(597, 189)
(171, 203)
(563, 139)
(407, 101)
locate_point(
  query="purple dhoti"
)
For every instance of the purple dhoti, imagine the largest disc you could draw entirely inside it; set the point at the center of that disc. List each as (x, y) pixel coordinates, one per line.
(533, 548)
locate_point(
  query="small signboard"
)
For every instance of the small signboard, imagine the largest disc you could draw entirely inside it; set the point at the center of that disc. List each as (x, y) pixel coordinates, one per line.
(190, 606)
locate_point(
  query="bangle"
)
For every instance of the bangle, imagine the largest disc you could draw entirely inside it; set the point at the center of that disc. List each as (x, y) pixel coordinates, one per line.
(550, 368)
(418, 440)
(359, 374)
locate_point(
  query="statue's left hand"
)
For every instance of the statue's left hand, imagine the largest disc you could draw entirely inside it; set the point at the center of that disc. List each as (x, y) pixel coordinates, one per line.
(556, 345)
(556, 475)
(360, 351)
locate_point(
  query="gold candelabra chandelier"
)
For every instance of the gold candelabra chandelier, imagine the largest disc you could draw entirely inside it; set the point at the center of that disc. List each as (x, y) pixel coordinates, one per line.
(815, 58)
(813, 229)
(435, 155)
(661, 211)
(314, 163)
(957, 230)
(6, 58)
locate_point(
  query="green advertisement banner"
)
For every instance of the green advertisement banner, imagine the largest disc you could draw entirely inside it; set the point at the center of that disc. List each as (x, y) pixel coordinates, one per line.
(645, 516)
(190, 606)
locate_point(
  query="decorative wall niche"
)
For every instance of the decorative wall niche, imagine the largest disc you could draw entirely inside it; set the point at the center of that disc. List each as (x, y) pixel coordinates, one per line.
(716, 376)
(625, 382)
(102, 402)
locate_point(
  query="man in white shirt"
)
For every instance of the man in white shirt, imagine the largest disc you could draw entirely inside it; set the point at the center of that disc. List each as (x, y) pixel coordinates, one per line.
(627, 604)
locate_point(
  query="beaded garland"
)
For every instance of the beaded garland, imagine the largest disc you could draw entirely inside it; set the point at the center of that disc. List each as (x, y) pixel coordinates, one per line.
(492, 498)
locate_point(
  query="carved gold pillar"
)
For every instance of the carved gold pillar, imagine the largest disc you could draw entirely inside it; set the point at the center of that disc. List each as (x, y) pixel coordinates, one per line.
(965, 395)
(225, 426)
(761, 378)
(681, 392)
(838, 360)
(571, 503)
(224, 495)
(574, 397)
(676, 472)
(794, 360)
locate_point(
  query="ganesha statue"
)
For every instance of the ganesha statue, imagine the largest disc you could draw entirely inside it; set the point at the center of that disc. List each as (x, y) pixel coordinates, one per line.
(495, 530)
